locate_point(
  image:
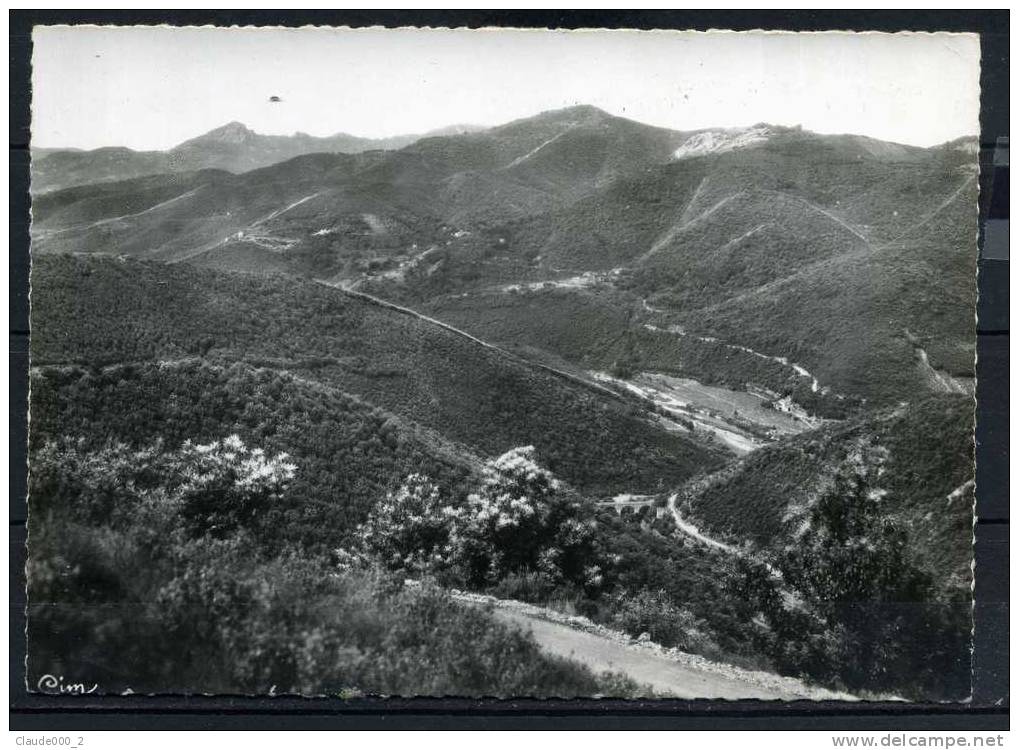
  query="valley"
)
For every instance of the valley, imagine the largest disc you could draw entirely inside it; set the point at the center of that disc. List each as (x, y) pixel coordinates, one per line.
(728, 336)
(694, 407)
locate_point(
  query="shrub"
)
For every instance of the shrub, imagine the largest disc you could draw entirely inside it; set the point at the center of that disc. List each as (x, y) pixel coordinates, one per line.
(655, 613)
(226, 485)
(519, 520)
(128, 590)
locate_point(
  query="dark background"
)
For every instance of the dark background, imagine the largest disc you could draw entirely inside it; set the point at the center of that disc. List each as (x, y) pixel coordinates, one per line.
(988, 709)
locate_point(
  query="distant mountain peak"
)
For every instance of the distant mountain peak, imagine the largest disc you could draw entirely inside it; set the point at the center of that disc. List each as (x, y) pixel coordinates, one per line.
(576, 112)
(232, 132)
(585, 109)
(581, 114)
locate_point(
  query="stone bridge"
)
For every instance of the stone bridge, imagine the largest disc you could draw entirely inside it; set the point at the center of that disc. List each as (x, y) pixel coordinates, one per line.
(622, 503)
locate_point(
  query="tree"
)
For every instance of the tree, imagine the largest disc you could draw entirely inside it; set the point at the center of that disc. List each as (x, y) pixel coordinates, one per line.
(851, 551)
(853, 569)
(522, 517)
(410, 528)
(519, 518)
(629, 362)
(848, 603)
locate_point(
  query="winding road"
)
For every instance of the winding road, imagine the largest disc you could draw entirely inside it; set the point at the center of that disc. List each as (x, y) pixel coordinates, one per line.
(667, 672)
(692, 531)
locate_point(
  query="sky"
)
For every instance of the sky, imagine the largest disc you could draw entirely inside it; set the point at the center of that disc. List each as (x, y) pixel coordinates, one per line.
(153, 87)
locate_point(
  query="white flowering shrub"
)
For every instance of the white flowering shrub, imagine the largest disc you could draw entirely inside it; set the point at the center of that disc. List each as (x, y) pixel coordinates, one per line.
(520, 518)
(213, 485)
(93, 508)
(410, 528)
(226, 484)
(247, 468)
(118, 582)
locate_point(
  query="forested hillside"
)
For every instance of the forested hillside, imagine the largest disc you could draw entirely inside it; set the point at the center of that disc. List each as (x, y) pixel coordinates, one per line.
(711, 389)
(921, 455)
(98, 311)
(770, 246)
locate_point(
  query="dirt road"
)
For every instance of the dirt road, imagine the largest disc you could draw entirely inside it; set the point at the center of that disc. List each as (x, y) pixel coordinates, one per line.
(669, 673)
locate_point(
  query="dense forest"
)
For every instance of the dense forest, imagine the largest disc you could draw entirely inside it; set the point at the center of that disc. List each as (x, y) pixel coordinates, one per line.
(99, 311)
(349, 451)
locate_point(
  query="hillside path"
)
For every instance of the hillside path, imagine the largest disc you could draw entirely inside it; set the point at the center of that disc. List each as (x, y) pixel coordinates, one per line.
(690, 530)
(666, 671)
(646, 666)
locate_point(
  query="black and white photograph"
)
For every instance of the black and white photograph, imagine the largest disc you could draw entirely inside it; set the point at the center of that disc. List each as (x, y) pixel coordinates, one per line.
(511, 363)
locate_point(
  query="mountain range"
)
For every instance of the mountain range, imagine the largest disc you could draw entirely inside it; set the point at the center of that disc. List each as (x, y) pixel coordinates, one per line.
(232, 147)
(769, 242)
(718, 321)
